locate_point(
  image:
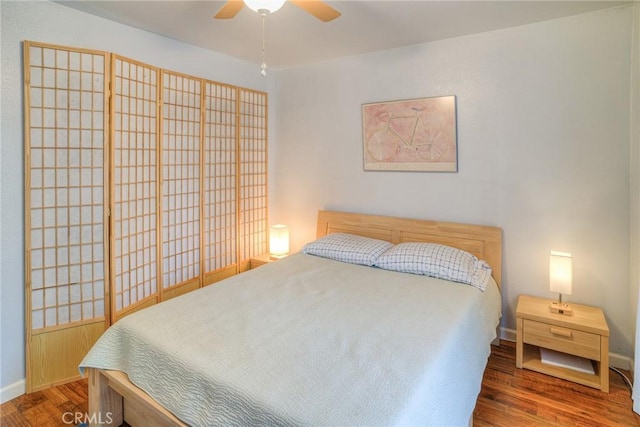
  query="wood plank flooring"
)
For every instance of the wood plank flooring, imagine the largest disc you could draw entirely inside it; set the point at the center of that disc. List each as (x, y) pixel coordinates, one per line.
(50, 407)
(509, 397)
(512, 397)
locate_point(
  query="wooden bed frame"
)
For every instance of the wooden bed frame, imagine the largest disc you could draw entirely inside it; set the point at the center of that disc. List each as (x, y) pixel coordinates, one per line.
(113, 397)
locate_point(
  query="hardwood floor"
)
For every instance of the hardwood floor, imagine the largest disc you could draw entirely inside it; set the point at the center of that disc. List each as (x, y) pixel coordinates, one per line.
(50, 407)
(514, 397)
(509, 397)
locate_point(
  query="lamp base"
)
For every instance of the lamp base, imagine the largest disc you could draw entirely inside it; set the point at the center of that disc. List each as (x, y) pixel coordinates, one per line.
(560, 308)
(277, 257)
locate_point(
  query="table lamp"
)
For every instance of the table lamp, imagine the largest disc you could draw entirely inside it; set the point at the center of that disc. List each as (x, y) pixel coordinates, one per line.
(560, 280)
(279, 241)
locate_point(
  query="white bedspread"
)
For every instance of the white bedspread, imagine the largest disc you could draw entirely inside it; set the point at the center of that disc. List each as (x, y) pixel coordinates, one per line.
(310, 341)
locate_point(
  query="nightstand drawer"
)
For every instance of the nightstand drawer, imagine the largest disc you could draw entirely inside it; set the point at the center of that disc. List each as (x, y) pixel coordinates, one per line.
(562, 339)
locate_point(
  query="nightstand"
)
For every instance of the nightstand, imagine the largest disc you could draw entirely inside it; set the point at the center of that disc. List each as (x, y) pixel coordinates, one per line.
(584, 333)
(259, 260)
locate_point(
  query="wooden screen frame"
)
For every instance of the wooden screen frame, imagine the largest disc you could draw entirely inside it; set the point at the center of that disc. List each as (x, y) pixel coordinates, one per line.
(192, 101)
(54, 350)
(220, 161)
(111, 391)
(149, 297)
(252, 196)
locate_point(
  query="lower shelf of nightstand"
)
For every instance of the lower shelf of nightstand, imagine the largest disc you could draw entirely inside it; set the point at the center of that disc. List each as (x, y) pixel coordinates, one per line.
(531, 360)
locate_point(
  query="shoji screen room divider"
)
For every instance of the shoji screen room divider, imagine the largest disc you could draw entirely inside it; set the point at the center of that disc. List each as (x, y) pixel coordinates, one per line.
(141, 184)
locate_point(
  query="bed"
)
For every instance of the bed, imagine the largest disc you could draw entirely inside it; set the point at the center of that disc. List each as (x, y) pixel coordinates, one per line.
(310, 340)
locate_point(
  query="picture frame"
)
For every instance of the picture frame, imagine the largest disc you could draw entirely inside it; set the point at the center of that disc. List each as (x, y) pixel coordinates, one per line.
(411, 135)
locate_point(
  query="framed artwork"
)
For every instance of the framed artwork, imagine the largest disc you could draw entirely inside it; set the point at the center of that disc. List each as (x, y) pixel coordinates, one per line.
(411, 135)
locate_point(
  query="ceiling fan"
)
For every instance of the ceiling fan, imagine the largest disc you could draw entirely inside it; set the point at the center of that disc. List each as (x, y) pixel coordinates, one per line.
(317, 8)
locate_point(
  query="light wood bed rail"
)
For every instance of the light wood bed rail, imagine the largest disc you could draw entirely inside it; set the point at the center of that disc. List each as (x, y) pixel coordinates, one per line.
(111, 392)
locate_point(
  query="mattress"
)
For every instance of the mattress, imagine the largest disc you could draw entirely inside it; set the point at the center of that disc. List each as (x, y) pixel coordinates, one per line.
(311, 341)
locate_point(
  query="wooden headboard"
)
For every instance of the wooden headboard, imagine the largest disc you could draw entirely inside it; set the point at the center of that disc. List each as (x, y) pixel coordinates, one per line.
(485, 242)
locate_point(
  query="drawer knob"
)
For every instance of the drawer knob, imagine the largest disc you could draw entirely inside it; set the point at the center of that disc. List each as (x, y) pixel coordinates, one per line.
(561, 332)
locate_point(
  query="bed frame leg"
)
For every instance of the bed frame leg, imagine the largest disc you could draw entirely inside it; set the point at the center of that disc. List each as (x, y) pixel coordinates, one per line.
(105, 405)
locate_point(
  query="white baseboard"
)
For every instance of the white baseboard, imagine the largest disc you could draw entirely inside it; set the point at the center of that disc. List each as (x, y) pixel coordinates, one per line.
(507, 334)
(12, 391)
(621, 362)
(616, 360)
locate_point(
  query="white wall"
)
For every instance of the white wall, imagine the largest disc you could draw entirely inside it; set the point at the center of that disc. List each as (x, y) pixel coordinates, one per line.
(543, 142)
(635, 194)
(52, 23)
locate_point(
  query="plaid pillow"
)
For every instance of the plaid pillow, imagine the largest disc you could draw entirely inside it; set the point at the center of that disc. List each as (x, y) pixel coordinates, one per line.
(347, 248)
(440, 261)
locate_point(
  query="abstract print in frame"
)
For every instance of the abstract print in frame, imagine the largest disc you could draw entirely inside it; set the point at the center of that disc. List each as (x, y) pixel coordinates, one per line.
(411, 135)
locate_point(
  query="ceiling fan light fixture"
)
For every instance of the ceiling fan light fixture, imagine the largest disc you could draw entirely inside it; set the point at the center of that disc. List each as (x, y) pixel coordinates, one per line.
(264, 5)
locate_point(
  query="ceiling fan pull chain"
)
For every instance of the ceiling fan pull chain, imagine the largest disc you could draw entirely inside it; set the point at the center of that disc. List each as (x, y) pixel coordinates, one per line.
(263, 67)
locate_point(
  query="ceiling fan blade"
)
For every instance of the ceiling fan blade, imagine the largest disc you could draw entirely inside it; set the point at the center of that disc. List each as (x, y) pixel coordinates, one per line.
(230, 9)
(317, 8)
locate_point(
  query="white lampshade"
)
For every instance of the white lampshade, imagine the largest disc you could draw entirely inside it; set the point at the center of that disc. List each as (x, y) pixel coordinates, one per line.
(560, 272)
(268, 5)
(279, 240)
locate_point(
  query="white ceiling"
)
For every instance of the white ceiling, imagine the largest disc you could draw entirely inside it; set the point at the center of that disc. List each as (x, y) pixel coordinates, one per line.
(295, 37)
